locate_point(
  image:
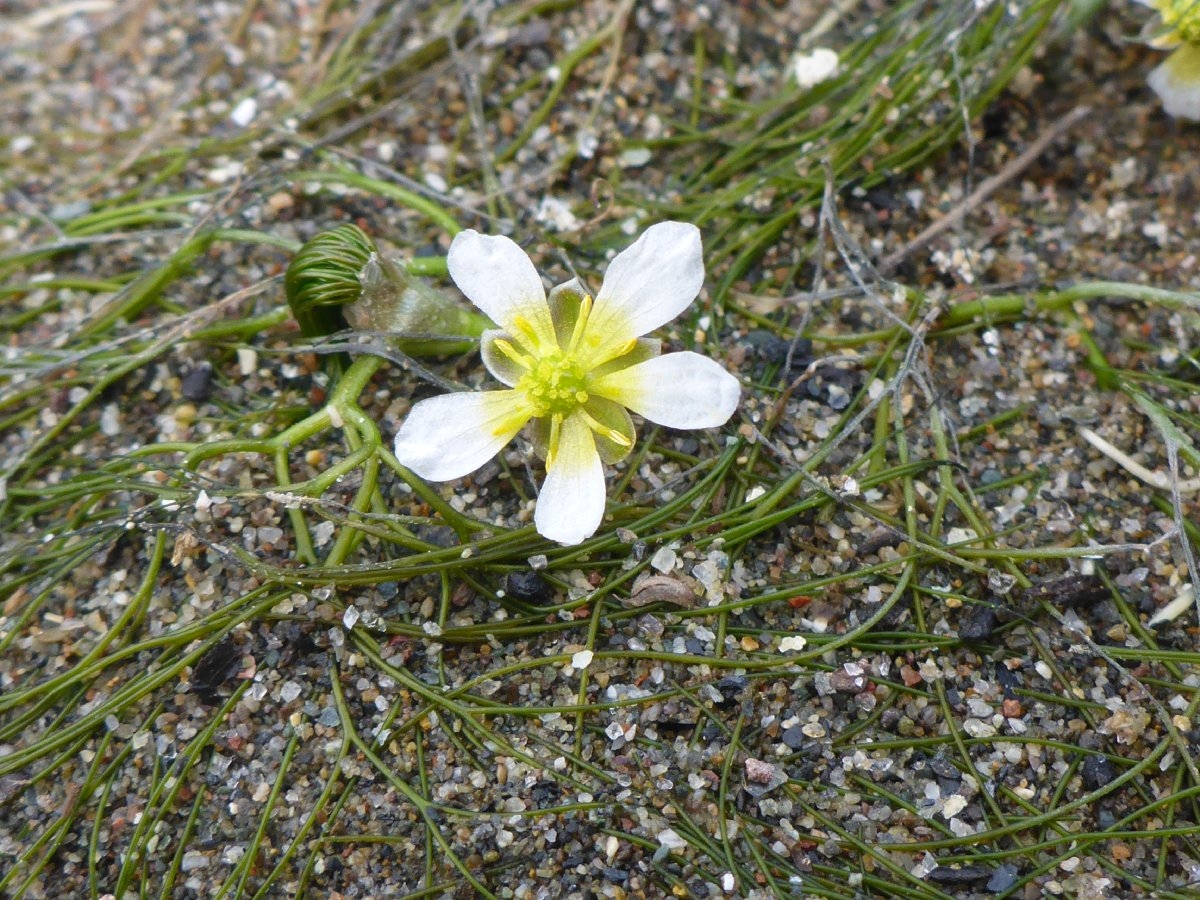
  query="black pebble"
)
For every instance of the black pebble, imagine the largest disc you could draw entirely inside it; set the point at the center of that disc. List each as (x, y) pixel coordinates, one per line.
(772, 349)
(437, 535)
(214, 667)
(1071, 590)
(1003, 878)
(978, 624)
(197, 384)
(883, 198)
(793, 738)
(1096, 772)
(730, 686)
(527, 586)
(1007, 678)
(959, 875)
(943, 768)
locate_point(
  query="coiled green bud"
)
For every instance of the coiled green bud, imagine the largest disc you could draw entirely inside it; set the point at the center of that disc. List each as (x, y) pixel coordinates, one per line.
(338, 280)
(323, 277)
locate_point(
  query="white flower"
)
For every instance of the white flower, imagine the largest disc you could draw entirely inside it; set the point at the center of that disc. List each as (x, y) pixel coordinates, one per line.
(810, 69)
(572, 365)
(1177, 82)
(1177, 79)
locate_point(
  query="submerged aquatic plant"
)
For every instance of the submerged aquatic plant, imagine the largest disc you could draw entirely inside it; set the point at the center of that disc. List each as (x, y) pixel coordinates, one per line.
(573, 366)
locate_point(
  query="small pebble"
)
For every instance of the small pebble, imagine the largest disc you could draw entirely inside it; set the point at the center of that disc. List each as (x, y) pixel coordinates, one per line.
(196, 385)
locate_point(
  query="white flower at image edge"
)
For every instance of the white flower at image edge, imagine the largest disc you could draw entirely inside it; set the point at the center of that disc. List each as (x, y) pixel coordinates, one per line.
(574, 367)
(1177, 79)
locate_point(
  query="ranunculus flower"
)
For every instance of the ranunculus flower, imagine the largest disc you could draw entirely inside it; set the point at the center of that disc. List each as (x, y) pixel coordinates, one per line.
(573, 367)
(1177, 79)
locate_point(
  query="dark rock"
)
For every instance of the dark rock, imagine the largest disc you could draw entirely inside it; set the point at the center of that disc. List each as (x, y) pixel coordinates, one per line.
(1003, 878)
(846, 682)
(990, 476)
(793, 738)
(1006, 677)
(214, 667)
(527, 586)
(1097, 771)
(959, 874)
(437, 535)
(730, 686)
(197, 384)
(978, 624)
(943, 768)
(773, 350)
(1072, 590)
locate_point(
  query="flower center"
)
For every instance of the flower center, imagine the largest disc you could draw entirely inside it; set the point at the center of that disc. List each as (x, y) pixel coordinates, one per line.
(1183, 17)
(555, 384)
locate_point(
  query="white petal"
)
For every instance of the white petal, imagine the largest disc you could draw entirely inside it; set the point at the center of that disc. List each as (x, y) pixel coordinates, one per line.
(499, 278)
(810, 69)
(1185, 600)
(571, 504)
(646, 286)
(450, 436)
(679, 390)
(1177, 83)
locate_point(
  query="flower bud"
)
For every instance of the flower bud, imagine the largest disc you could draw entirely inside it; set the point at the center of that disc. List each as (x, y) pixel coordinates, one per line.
(339, 280)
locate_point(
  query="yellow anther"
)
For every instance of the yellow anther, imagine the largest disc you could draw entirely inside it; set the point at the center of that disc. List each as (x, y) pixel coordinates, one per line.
(612, 434)
(1183, 16)
(521, 359)
(552, 442)
(585, 310)
(525, 332)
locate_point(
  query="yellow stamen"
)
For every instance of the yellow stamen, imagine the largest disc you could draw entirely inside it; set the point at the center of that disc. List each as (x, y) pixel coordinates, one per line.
(585, 310)
(521, 359)
(1182, 17)
(526, 334)
(552, 442)
(622, 440)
